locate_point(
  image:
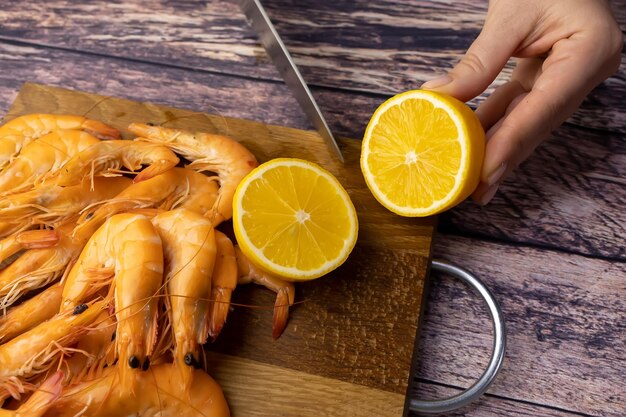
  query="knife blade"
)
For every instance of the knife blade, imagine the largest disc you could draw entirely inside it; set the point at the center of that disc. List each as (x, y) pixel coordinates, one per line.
(260, 21)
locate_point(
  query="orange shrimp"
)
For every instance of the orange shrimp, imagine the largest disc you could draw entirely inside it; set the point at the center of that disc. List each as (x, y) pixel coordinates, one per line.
(176, 188)
(161, 395)
(30, 313)
(106, 158)
(41, 400)
(229, 159)
(94, 351)
(285, 291)
(32, 352)
(189, 248)
(17, 133)
(127, 253)
(36, 268)
(31, 239)
(42, 157)
(52, 205)
(224, 281)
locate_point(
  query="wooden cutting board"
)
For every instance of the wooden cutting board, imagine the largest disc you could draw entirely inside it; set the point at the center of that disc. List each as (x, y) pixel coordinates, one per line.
(349, 345)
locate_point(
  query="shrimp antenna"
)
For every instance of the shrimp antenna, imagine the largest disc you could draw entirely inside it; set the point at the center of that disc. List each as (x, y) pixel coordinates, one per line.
(96, 104)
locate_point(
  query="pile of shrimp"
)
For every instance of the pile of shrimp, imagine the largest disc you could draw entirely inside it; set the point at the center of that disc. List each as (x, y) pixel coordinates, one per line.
(113, 272)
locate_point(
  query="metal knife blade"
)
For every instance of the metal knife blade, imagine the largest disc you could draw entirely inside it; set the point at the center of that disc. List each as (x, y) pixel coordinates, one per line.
(259, 20)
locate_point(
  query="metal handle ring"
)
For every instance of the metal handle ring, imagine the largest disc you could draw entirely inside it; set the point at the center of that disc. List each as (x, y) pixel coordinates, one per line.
(499, 344)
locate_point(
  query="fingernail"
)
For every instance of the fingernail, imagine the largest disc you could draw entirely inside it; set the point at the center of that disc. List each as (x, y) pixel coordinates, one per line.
(437, 82)
(491, 191)
(496, 175)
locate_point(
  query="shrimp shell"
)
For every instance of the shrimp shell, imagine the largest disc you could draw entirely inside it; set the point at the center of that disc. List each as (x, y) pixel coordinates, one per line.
(36, 268)
(41, 400)
(30, 313)
(126, 252)
(32, 352)
(176, 188)
(224, 281)
(53, 205)
(189, 249)
(229, 159)
(106, 158)
(161, 395)
(17, 133)
(42, 157)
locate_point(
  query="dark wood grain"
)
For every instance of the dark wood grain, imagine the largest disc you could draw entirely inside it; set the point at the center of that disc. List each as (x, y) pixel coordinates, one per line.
(488, 405)
(369, 307)
(377, 47)
(569, 195)
(565, 323)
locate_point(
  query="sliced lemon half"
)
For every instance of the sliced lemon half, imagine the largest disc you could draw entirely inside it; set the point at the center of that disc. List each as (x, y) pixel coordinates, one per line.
(422, 153)
(293, 218)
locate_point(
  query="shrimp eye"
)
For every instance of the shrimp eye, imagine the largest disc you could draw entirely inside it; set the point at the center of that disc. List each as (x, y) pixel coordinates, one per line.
(133, 362)
(90, 215)
(79, 309)
(113, 336)
(146, 364)
(189, 359)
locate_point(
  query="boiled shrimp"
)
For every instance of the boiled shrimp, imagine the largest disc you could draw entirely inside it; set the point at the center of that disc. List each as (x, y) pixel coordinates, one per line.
(41, 400)
(176, 188)
(52, 205)
(17, 133)
(42, 157)
(94, 351)
(126, 255)
(226, 157)
(189, 249)
(31, 239)
(106, 158)
(285, 291)
(161, 395)
(224, 281)
(32, 352)
(37, 268)
(30, 313)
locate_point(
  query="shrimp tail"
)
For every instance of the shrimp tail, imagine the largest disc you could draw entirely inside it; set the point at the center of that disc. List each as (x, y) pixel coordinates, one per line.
(100, 130)
(224, 281)
(285, 291)
(220, 306)
(284, 299)
(156, 168)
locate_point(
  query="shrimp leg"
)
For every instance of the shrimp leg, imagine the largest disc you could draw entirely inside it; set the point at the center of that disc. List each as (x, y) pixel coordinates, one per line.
(41, 400)
(32, 352)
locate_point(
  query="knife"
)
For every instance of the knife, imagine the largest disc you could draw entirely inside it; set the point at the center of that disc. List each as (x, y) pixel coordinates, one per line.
(275, 48)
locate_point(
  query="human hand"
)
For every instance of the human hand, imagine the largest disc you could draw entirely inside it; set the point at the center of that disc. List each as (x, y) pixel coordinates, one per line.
(565, 48)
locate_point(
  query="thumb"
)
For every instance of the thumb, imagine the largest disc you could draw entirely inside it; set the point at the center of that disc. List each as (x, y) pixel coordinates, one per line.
(481, 64)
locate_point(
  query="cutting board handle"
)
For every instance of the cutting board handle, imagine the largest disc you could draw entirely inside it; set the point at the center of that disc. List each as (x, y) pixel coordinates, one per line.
(497, 355)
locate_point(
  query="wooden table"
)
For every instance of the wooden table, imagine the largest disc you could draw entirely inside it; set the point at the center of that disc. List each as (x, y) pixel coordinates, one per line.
(551, 245)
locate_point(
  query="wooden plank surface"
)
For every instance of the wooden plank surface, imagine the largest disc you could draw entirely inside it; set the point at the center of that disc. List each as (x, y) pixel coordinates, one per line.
(540, 205)
(381, 47)
(358, 324)
(565, 323)
(109, 55)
